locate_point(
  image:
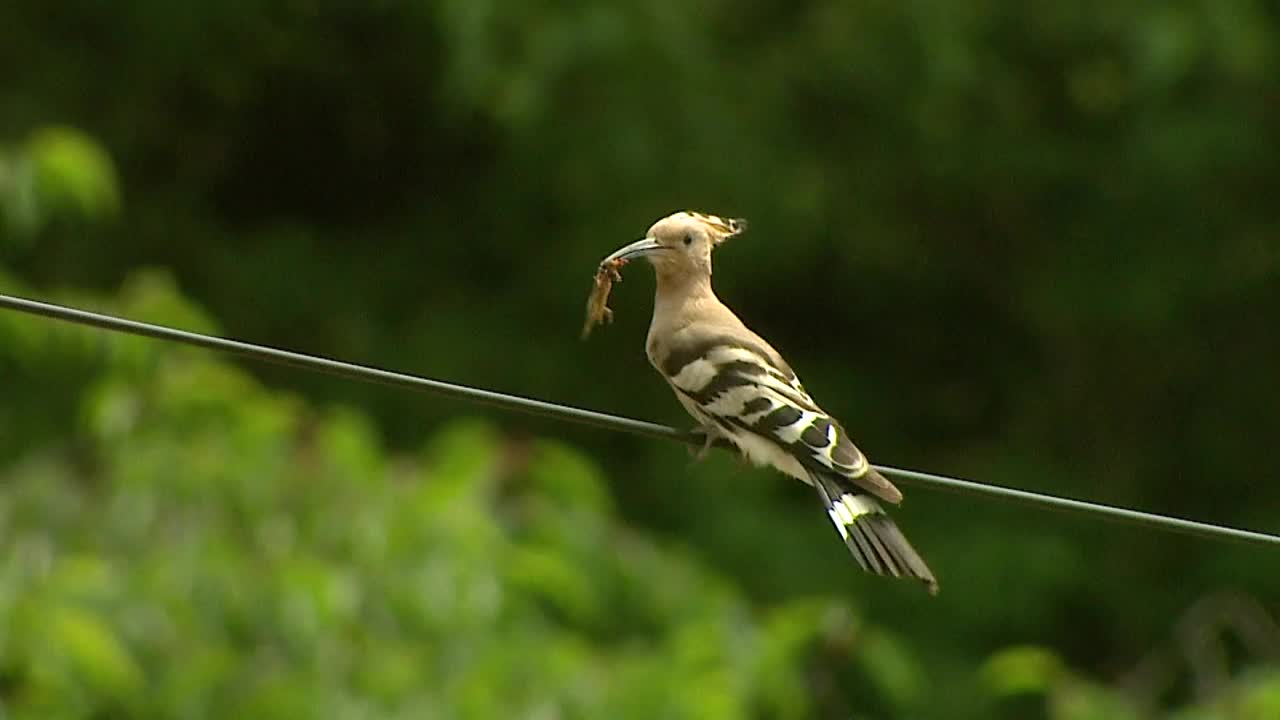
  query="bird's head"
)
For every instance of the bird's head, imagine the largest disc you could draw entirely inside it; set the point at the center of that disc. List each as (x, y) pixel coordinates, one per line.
(681, 243)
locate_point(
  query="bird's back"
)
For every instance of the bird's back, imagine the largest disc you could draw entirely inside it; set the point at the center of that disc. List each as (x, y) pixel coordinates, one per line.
(738, 386)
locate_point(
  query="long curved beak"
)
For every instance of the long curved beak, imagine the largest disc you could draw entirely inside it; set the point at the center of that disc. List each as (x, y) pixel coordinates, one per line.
(639, 248)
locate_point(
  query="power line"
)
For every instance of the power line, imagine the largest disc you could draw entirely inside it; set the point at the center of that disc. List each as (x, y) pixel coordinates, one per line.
(603, 420)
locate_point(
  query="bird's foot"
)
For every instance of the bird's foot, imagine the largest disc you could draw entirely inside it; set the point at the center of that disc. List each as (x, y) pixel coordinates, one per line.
(708, 437)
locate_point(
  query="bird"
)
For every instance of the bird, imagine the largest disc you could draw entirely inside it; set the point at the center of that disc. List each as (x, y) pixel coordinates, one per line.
(742, 392)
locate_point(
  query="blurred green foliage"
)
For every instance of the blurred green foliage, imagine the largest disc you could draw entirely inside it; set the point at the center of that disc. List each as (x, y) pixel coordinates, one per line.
(202, 546)
(58, 173)
(1054, 225)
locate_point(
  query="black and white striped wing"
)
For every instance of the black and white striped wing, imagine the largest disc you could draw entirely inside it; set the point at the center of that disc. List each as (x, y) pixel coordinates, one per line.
(759, 404)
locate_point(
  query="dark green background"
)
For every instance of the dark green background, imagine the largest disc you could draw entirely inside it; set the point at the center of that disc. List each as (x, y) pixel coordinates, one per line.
(1034, 244)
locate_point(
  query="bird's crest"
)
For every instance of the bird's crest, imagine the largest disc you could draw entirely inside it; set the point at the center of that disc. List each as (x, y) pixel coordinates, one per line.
(721, 228)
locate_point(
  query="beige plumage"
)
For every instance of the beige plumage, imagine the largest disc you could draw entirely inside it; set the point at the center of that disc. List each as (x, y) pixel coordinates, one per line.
(741, 390)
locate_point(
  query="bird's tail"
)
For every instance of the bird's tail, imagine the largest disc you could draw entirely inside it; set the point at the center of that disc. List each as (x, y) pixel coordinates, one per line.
(873, 538)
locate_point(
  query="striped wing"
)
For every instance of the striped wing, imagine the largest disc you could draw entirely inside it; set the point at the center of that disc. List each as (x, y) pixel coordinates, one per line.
(739, 388)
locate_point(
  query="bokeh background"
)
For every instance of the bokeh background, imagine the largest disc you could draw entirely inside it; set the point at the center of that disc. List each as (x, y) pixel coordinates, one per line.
(1030, 243)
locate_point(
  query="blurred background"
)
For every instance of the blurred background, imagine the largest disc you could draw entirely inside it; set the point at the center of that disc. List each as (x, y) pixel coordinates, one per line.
(1044, 239)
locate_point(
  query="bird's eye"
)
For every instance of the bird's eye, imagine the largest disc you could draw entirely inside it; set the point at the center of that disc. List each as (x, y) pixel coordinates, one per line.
(688, 239)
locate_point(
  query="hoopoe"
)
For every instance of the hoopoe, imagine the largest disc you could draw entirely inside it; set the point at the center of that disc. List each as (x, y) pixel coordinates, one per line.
(740, 390)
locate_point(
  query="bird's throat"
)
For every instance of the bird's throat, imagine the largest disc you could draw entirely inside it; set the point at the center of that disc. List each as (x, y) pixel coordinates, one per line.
(678, 289)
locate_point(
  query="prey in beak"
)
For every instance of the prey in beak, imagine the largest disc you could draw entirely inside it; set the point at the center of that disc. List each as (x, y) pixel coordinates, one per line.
(607, 273)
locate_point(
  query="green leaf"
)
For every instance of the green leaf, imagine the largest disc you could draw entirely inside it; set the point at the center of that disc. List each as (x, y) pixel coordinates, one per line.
(73, 173)
(1022, 669)
(95, 653)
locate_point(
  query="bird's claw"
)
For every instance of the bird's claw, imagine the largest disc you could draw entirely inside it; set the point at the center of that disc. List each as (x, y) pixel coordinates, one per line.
(708, 438)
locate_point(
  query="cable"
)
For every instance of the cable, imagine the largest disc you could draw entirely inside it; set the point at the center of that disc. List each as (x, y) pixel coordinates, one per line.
(606, 421)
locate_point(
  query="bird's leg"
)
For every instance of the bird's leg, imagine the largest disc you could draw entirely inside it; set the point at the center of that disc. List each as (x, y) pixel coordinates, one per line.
(709, 438)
